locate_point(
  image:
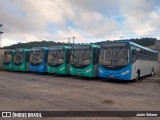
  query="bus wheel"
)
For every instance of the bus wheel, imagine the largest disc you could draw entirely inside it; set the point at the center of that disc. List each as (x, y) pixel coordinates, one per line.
(152, 73)
(137, 76)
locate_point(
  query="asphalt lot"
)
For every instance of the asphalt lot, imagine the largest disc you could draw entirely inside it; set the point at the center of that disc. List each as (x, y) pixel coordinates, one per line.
(32, 91)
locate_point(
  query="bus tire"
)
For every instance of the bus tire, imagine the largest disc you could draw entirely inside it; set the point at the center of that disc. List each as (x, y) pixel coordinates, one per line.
(137, 76)
(152, 73)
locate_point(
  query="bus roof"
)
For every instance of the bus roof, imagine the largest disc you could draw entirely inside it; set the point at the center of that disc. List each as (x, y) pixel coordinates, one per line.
(8, 50)
(132, 43)
(25, 49)
(92, 45)
(60, 46)
(45, 48)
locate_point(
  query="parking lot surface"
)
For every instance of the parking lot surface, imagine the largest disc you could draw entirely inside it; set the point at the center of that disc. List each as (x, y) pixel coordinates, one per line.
(45, 92)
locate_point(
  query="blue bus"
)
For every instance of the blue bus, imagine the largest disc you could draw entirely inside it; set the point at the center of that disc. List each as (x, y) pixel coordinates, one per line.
(38, 59)
(126, 61)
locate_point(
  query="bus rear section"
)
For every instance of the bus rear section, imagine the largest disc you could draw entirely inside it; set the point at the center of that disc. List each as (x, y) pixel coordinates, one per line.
(21, 60)
(114, 61)
(38, 59)
(58, 59)
(126, 61)
(144, 61)
(8, 60)
(84, 60)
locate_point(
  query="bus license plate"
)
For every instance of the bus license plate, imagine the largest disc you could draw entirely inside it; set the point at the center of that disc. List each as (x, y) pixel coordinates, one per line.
(111, 76)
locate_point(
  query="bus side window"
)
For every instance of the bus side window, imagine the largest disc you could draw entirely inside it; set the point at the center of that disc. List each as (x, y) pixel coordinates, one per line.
(68, 53)
(138, 54)
(151, 56)
(143, 55)
(147, 56)
(133, 54)
(156, 58)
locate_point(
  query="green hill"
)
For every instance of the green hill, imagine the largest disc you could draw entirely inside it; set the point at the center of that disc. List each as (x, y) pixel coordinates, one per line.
(142, 41)
(35, 44)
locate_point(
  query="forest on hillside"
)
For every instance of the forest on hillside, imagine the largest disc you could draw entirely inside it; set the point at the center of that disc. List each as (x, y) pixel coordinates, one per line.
(36, 44)
(143, 41)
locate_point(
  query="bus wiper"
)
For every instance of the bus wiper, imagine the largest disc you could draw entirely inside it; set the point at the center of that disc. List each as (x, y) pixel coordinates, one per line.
(78, 65)
(111, 66)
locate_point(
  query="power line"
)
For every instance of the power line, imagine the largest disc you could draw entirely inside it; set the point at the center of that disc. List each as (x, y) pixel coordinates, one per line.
(137, 34)
(73, 39)
(122, 34)
(69, 40)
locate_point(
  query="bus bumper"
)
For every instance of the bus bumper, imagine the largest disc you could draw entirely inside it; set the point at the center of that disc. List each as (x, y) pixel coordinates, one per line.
(123, 74)
(83, 72)
(39, 69)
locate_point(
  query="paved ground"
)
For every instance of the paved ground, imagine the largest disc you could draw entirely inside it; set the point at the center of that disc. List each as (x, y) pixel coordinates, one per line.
(30, 91)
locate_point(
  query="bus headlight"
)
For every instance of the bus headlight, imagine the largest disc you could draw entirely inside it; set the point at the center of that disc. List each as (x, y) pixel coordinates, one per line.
(100, 70)
(61, 68)
(71, 69)
(41, 67)
(22, 66)
(126, 72)
(87, 71)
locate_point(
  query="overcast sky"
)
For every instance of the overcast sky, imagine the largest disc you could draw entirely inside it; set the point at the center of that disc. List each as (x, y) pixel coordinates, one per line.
(87, 20)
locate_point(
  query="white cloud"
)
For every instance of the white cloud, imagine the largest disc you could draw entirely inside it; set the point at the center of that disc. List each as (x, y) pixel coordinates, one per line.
(28, 20)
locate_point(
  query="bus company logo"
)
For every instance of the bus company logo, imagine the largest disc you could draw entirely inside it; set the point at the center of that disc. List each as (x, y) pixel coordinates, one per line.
(21, 114)
(6, 114)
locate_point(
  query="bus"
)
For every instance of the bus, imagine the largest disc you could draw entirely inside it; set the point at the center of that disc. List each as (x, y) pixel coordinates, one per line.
(126, 61)
(84, 60)
(21, 60)
(38, 59)
(8, 60)
(59, 59)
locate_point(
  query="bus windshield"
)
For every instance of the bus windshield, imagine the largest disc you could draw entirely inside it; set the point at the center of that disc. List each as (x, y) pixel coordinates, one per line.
(55, 57)
(81, 55)
(18, 58)
(36, 57)
(115, 54)
(7, 58)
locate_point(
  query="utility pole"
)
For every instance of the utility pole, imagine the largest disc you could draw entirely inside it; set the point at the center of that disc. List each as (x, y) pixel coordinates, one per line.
(0, 34)
(73, 39)
(69, 40)
(121, 38)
